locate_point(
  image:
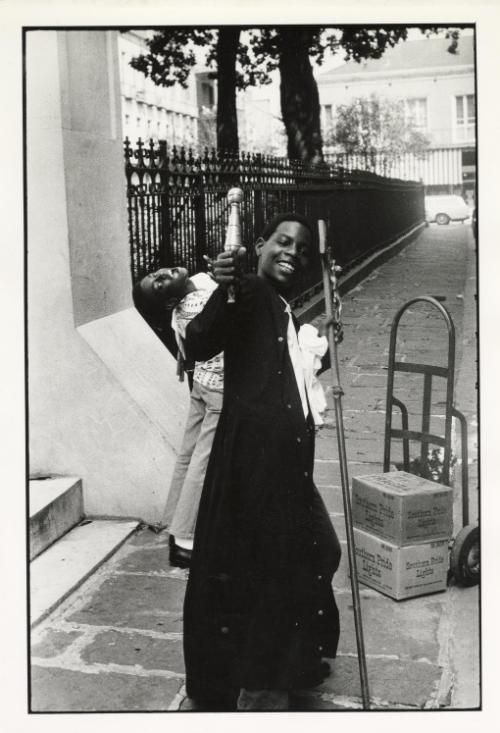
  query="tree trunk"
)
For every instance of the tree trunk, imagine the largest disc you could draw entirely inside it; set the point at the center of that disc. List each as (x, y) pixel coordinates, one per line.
(227, 121)
(299, 96)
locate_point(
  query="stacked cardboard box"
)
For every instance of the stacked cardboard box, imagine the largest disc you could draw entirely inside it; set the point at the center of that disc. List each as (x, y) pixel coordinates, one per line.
(402, 526)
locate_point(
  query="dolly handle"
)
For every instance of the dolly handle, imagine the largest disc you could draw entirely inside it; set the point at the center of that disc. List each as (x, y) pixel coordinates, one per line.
(322, 236)
(465, 464)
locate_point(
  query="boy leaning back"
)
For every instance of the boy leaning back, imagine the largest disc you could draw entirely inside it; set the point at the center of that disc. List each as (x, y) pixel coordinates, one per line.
(172, 289)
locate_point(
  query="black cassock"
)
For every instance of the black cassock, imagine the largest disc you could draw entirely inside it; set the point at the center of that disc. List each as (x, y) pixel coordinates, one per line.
(259, 610)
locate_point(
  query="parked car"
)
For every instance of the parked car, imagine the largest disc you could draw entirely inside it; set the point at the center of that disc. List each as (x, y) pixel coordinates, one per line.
(443, 209)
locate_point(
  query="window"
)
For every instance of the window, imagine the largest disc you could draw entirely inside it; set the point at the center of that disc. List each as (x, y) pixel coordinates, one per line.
(468, 166)
(207, 94)
(465, 118)
(416, 112)
(468, 157)
(328, 117)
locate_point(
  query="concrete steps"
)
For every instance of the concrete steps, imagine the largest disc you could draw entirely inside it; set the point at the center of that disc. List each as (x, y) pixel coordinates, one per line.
(55, 505)
(65, 547)
(66, 564)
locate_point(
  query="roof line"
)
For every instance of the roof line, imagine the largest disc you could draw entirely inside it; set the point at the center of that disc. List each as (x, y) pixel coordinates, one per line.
(421, 71)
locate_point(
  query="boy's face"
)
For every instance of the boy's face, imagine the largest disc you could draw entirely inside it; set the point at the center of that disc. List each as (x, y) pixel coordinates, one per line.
(285, 254)
(167, 285)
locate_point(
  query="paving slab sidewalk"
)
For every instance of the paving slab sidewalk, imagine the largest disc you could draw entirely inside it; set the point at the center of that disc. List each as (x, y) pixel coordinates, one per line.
(422, 652)
(116, 645)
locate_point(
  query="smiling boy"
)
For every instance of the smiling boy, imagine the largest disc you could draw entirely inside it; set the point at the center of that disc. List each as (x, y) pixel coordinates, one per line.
(259, 611)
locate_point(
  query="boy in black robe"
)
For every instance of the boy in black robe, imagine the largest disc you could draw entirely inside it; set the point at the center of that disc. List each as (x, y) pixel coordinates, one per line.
(259, 611)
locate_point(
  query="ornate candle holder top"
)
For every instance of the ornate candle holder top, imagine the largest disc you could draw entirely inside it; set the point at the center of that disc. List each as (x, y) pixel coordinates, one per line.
(233, 232)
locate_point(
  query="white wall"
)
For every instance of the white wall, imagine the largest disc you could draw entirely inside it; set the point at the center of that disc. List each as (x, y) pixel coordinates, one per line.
(104, 402)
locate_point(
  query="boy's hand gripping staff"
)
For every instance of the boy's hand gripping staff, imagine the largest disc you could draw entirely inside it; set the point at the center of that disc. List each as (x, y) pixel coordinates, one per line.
(233, 233)
(333, 309)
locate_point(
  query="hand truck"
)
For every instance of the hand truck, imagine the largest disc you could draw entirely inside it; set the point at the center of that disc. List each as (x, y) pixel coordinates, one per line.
(464, 552)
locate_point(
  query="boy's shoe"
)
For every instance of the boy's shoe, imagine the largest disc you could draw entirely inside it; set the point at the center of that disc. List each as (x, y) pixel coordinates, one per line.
(178, 557)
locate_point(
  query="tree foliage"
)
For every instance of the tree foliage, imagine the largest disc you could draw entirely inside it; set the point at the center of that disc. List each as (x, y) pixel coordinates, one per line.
(255, 55)
(295, 47)
(171, 54)
(376, 127)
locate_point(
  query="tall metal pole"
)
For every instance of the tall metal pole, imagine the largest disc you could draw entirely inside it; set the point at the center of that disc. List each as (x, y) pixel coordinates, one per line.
(331, 299)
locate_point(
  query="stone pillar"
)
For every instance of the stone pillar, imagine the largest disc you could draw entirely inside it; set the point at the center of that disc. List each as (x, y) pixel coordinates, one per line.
(104, 401)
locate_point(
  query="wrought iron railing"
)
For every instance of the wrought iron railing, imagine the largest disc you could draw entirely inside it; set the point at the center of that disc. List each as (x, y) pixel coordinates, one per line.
(177, 207)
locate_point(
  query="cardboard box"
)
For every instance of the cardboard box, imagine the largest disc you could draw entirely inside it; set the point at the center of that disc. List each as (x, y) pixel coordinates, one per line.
(402, 508)
(401, 572)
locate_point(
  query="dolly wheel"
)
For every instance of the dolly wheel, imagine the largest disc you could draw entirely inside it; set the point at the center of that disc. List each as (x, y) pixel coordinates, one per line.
(464, 558)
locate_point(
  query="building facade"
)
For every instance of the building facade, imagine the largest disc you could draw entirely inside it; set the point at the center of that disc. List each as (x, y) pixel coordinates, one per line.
(438, 89)
(180, 116)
